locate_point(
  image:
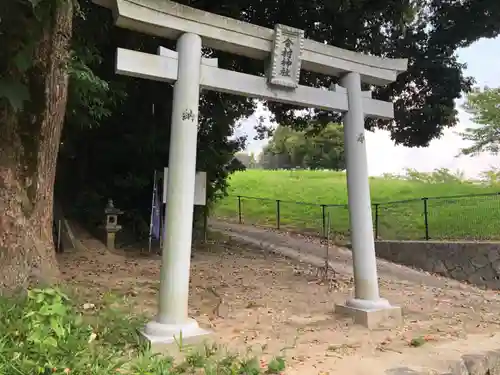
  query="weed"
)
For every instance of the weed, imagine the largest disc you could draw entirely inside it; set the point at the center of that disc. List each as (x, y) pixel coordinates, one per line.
(45, 332)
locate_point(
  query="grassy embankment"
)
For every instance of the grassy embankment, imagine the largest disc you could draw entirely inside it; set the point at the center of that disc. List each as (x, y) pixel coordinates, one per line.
(451, 218)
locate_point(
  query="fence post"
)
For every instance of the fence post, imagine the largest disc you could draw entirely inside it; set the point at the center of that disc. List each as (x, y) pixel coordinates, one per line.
(59, 236)
(278, 214)
(323, 219)
(205, 223)
(376, 220)
(239, 209)
(426, 218)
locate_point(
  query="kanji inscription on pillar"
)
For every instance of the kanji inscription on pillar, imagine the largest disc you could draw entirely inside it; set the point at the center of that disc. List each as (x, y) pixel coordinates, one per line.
(286, 57)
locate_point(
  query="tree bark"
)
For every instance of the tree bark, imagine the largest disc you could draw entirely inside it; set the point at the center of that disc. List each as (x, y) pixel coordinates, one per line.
(29, 143)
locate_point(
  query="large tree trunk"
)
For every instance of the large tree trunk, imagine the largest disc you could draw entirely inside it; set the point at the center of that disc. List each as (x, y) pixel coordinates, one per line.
(29, 143)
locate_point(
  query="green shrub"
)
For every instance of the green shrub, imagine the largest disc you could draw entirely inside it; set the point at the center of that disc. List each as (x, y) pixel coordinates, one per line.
(43, 333)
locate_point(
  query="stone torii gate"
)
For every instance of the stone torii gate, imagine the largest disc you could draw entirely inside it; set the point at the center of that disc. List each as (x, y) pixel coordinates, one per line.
(287, 52)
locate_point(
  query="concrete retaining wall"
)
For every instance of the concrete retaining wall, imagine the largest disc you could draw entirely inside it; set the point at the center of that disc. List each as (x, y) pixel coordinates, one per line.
(475, 262)
(487, 363)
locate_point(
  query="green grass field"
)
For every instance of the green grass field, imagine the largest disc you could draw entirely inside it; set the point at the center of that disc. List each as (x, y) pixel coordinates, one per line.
(302, 194)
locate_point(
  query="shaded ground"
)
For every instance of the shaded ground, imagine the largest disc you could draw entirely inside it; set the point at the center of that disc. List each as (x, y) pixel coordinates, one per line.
(272, 302)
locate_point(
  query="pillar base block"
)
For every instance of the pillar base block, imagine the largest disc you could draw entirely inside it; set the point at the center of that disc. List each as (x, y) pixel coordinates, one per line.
(165, 338)
(371, 314)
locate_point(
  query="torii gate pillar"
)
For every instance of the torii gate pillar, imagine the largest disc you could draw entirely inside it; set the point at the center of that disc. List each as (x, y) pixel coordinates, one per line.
(172, 319)
(367, 308)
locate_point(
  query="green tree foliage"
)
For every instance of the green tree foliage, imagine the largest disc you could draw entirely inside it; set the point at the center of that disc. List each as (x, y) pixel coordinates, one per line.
(427, 32)
(484, 106)
(112, 144)
(247, 159)
(112, 140)
(305, 149)
(253, 161)
(490, 177)
(437, 176)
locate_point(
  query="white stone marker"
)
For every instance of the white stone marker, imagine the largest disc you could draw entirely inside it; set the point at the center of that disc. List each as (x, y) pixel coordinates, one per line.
(366, 307)
(200, 187)
(172, 318)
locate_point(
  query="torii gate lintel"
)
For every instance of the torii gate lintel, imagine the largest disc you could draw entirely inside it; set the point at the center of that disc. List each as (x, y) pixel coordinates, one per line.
(164, 68)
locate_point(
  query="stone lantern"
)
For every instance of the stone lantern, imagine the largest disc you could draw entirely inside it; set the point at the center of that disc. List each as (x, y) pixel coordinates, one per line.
(111, 226)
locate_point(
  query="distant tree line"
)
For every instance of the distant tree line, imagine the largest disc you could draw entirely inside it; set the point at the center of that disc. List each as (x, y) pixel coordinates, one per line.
(247, 160)
(306, 149)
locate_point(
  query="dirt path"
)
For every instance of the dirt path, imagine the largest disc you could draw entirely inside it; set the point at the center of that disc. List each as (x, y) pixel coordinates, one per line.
(341, 257)
(445, 309)
(276, 305)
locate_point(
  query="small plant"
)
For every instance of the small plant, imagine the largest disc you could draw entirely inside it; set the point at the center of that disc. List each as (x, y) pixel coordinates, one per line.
(44, 332)
(417, 342)
(276, 366)
(421, 340)
(46, 320)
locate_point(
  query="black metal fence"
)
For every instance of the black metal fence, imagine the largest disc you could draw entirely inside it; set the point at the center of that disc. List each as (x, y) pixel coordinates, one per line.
(462, 217)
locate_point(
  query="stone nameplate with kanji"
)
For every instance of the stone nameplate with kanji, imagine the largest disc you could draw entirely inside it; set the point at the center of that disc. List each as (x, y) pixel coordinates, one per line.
(286, 57)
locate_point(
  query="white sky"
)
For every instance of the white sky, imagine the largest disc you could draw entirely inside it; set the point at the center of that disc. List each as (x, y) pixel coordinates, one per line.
(483, 63)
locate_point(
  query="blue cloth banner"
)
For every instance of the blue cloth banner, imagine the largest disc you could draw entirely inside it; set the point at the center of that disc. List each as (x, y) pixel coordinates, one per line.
(156, 216)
